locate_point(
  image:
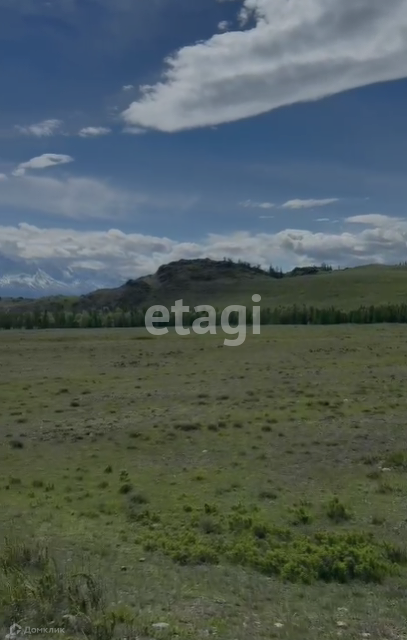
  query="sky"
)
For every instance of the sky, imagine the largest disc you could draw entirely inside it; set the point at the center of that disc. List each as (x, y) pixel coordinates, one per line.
(137, 132)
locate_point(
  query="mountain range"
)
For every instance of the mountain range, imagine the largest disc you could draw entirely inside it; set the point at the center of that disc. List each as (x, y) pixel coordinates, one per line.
(203, 281)
(28, 280)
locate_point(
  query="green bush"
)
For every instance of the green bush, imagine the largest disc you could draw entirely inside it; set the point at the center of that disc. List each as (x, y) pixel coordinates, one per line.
(209, 525)
(398, 460)
(301, 515)
(126, 487)
(336, 511)
(245, 537)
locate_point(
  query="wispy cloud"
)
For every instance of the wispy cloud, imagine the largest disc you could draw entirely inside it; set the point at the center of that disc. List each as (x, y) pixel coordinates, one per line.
(257, 205)
(94, 132)
(308, 204)
(296, 51)
(290, 204)
(71, 197)
(42, 162)
(135, 131)
(45, 128)
(375, 219)
(223, 25)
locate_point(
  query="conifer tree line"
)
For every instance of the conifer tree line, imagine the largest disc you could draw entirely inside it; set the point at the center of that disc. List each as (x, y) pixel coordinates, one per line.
(289, 315)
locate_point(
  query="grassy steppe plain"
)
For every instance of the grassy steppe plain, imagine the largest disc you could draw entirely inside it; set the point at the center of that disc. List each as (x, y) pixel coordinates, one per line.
(116, 446)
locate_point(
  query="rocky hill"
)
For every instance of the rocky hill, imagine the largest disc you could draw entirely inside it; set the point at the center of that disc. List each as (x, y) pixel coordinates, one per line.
(223, 282)
(195, 281)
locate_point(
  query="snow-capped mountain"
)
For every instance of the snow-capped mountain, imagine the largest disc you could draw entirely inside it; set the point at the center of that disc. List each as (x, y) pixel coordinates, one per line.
(33, 285)
(21, 279)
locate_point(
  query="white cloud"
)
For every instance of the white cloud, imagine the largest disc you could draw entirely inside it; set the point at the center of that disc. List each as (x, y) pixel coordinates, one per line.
(223, 25)
(257, 205)
(290, 204)
(126, 255)
(308, 204)
(120, 254)
(322, 220)
(45, 128)
(72, 197)
(127, 87)
(135, 131)
(297, 51)
(93, 132)
(42, 162)
(374, 219)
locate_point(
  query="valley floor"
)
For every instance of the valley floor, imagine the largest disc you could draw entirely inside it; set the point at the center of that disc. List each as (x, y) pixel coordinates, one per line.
(192, 478)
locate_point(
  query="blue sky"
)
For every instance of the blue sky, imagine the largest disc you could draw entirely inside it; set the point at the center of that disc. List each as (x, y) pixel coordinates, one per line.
(271, 131)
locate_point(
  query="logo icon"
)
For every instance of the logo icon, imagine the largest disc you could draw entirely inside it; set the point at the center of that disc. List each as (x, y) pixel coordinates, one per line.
(15, 630)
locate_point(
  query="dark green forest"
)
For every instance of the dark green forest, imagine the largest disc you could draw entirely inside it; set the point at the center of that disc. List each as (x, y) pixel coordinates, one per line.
(291, 315)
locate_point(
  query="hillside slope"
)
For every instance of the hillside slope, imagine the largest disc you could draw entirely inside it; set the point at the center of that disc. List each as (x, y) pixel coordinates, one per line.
(221, 283)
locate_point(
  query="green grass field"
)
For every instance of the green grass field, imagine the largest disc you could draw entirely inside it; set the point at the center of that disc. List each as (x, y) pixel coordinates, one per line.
(194, 479)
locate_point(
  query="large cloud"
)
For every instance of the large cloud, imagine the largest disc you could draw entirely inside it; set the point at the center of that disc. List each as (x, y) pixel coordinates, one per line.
(298, 50)
(382, 239)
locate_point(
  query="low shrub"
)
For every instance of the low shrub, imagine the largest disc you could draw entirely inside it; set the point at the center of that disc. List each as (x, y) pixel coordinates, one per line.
(245, 537)
(36, 590)
(336, 511)
(398, 460)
